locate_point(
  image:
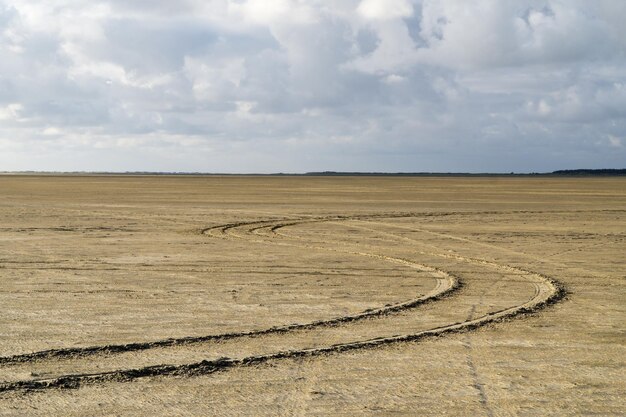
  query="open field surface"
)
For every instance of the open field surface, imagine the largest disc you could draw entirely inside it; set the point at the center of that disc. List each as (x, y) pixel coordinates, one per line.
(311, 296)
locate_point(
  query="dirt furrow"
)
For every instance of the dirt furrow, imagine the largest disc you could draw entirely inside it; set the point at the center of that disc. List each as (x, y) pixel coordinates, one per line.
(267, 231)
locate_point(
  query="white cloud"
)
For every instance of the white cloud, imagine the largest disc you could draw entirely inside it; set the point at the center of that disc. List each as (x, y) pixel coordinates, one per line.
(615, 142)
(214, 79)
(265, 12)
(385, 9)
(487, 33)
(395, 51)
(394, 79)
(348, 84)
(51, 131)
(11, 112)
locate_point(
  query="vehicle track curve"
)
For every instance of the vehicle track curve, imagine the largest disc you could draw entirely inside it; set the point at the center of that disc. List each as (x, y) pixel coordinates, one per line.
(546, 291)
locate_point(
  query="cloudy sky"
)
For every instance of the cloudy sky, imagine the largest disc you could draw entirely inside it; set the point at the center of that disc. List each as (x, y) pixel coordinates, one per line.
(296, 86)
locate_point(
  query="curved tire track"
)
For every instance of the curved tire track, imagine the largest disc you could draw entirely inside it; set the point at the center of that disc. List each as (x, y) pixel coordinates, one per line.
(547, 291)
(447, 284)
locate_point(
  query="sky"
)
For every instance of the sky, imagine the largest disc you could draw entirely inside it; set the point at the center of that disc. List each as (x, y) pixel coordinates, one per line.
(296, 86)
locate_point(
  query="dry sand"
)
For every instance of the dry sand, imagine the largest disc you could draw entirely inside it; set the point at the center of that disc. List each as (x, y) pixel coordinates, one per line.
(312, 296)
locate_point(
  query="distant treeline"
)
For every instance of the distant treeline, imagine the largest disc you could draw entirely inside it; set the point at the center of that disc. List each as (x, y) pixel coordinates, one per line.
(599, 172)
(564, 172)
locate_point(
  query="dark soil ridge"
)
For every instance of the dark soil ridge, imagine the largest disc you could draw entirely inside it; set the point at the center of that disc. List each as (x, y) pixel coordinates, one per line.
(206, 367)
(365, 216)
(76, 352)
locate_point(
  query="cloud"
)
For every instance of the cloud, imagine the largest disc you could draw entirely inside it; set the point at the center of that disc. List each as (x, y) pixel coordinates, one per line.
(251, 85)
(615, 142)
(489, 33)
(385, 9)
(11, 112)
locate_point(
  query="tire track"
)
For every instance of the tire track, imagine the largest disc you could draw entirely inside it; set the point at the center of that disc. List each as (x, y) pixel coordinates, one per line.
(482, 395)
(208, 367)
(467, 343)
(541, 259)
(547, 292)
(446, 285)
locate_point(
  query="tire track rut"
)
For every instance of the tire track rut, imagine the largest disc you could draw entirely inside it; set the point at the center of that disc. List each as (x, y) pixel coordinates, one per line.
(267, 231)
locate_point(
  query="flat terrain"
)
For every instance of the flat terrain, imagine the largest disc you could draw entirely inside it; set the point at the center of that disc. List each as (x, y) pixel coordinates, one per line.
(311, 296)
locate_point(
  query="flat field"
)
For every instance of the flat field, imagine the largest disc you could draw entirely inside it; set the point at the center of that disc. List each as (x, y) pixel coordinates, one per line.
(312, 296)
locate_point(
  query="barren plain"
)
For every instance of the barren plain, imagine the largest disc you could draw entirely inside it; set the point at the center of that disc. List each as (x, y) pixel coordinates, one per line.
(312, 296)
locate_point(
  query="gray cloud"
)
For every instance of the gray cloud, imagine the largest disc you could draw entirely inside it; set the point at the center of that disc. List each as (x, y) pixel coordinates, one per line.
(258, 86)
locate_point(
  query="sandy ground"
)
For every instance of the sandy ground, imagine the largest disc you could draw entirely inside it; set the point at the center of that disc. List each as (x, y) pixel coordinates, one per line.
(312, 296)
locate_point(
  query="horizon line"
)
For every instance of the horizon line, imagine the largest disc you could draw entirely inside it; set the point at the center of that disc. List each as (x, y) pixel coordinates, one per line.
(564, 172)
